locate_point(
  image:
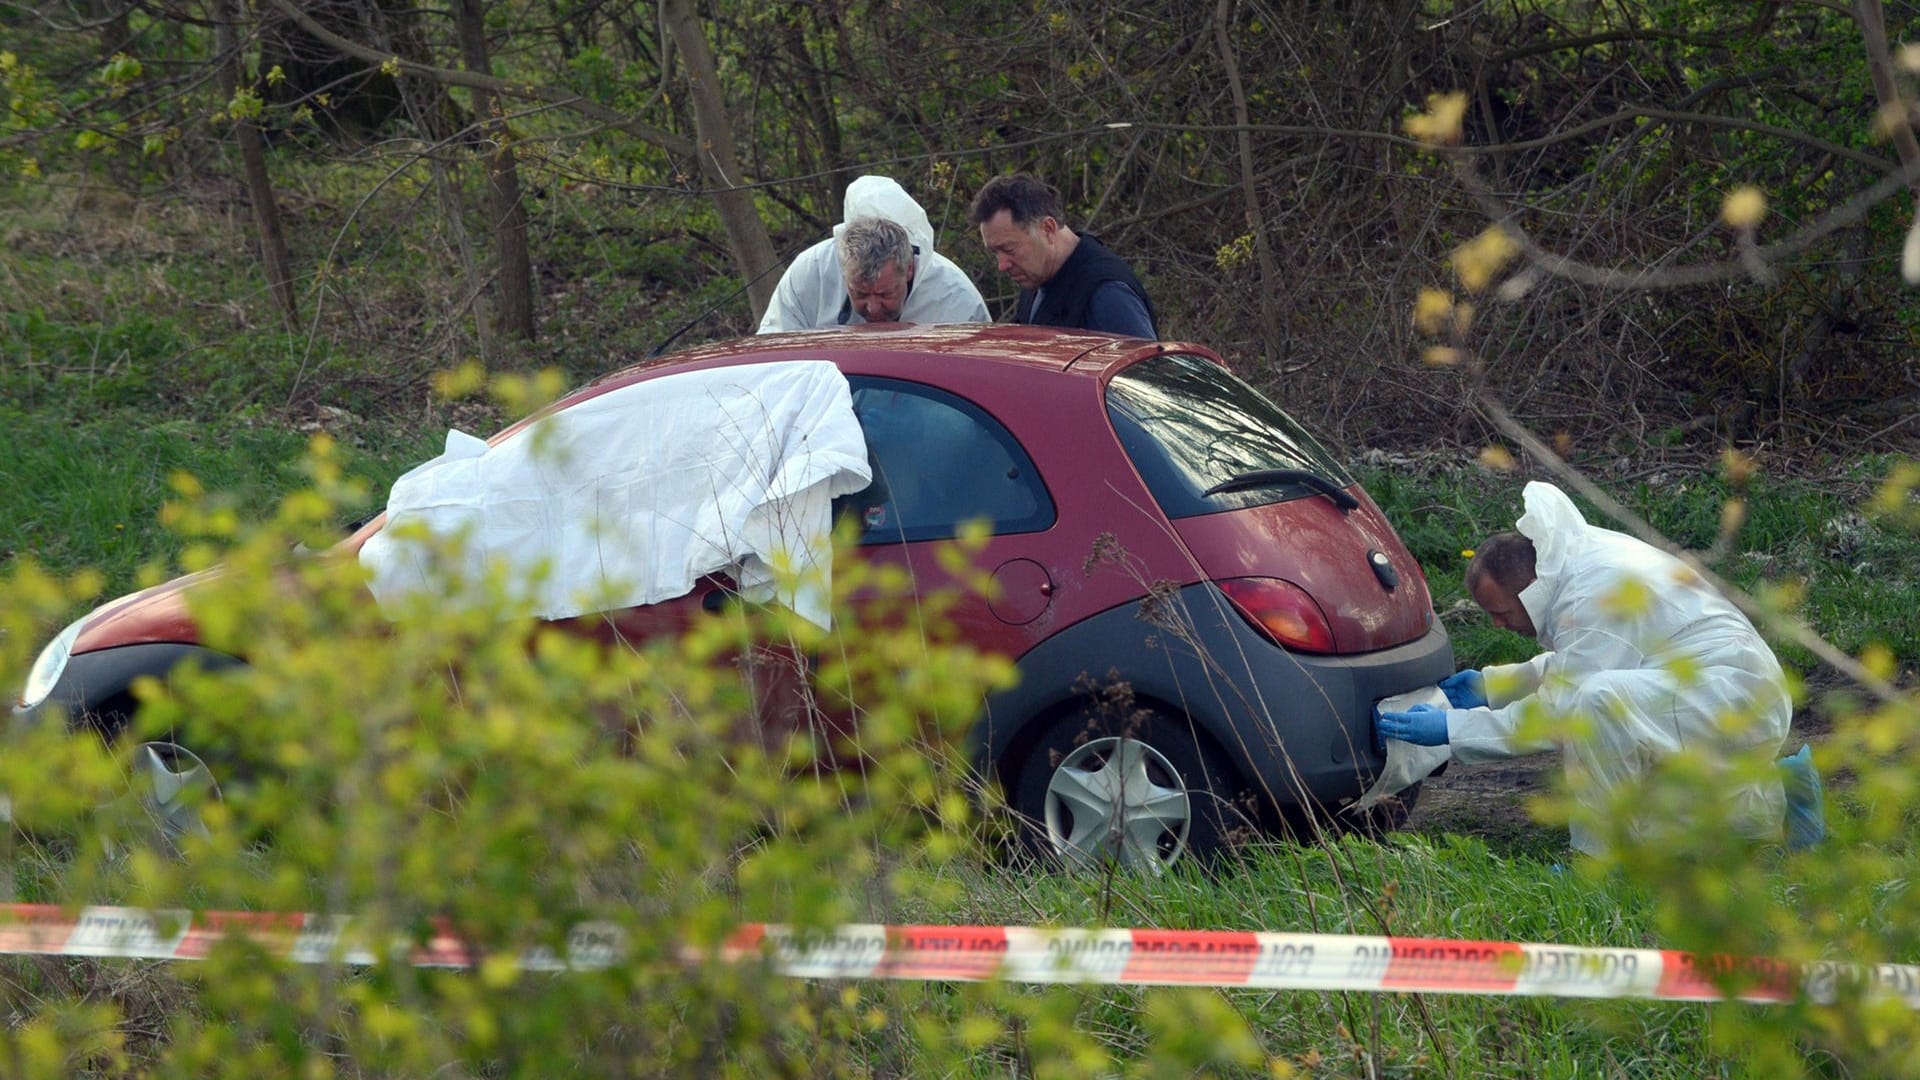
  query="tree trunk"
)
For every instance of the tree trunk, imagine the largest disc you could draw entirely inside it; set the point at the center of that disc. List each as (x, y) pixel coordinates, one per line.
(719, 165)
(1269, 284)
(505, 211)
(814, 98)
(1886, 84)
(253, 158)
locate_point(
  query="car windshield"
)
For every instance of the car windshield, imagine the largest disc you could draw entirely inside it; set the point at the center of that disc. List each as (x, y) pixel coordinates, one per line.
(1189, 425)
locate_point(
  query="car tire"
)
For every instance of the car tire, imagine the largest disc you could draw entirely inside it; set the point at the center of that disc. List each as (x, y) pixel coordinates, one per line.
(1091, 792)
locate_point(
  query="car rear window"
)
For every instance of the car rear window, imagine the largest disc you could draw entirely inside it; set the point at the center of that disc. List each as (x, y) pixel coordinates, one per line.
(1189, 424)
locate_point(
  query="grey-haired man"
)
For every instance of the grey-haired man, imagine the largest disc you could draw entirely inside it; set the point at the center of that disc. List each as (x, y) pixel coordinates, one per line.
(879, 266)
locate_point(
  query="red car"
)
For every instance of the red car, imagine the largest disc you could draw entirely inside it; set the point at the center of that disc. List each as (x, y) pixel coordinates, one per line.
(1154, 521)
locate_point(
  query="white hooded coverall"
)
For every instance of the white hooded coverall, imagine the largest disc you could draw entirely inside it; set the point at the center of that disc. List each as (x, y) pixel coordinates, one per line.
(812, 294)
(1643, 648)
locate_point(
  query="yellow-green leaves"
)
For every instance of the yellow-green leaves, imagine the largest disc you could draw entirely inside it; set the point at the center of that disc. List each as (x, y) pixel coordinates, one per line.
(1436, 314)
(245, 105)
(31, 100)
(1440, 124)
(1478, 261)
(1894, 499)
(1879, 660)
(1236, 253)
(471, 768)
(1738, 467)
(1629, 600)
(119, 72)
(1744, 207)
(1432, 312)
(453, 384)
(1201, 1027)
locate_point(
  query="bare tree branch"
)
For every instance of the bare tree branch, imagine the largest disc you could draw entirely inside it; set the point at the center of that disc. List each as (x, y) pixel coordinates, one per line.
(1269, 284)
(1873, 31)
(1847, 213)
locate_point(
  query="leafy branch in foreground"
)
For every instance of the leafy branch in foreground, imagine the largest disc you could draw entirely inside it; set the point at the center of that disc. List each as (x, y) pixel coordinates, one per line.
(475, 768)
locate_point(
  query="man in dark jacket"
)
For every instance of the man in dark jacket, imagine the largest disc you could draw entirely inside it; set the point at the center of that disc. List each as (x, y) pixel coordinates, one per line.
(1065, 279)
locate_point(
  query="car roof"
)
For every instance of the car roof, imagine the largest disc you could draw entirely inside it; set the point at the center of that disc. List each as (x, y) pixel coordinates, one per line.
(965, 351)
(1045, 346)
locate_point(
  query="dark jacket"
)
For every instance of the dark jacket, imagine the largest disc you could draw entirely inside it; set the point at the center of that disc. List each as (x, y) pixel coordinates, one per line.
(1068, 293)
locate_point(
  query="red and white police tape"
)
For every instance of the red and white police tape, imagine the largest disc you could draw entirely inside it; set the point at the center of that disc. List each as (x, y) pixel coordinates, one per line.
(1220, 958)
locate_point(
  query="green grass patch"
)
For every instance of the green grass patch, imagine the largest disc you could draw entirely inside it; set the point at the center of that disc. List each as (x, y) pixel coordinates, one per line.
(86, 492)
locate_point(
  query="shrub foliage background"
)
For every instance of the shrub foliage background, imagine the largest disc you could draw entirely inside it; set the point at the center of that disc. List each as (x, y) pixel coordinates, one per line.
(504, 777)
(1246, 155)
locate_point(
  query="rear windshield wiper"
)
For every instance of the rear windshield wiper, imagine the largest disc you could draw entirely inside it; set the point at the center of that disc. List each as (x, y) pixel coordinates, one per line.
(1268, 477)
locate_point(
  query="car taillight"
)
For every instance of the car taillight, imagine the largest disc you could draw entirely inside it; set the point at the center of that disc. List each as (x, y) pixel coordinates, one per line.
(1283, 611)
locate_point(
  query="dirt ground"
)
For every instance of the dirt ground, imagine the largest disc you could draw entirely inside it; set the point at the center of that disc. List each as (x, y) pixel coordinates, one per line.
(1487, 800)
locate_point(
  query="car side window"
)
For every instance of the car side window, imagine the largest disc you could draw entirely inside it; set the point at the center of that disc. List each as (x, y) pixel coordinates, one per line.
(939, 461)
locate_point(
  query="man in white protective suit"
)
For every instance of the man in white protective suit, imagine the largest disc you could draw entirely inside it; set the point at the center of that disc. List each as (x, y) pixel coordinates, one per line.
(1641, 651)
(867, 272)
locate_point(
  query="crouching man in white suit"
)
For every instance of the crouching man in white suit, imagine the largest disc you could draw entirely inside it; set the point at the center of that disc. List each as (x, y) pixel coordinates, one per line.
(1640, 648)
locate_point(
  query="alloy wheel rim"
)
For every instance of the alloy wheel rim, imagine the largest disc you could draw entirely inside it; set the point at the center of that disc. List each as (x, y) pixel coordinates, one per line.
(1117, 799)
(172, 783)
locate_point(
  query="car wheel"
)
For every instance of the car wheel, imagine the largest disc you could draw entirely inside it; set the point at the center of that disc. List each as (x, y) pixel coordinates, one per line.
(1143, 797)
(168, 786)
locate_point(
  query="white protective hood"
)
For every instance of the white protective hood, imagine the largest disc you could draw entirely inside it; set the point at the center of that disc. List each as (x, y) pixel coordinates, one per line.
(883, 197)
(812, 294)
(1558, 533)
(631, 497)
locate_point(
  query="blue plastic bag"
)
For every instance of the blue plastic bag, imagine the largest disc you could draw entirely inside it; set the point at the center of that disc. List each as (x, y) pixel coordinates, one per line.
(1806, 800)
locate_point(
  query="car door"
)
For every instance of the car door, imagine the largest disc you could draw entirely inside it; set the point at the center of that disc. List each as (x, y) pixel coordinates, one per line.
(941, 462)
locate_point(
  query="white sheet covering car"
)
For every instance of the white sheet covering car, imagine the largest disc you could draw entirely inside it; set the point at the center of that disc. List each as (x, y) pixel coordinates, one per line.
(727, 470)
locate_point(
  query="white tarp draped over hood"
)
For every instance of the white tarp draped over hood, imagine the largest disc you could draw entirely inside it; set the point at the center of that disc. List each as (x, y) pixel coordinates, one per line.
(630, 497)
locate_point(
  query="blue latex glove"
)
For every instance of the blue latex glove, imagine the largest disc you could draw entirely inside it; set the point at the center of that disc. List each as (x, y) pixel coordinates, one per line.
(1465, 689)
(1422, 725)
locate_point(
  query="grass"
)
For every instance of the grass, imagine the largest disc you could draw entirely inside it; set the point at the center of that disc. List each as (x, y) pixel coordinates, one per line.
(86, 492)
